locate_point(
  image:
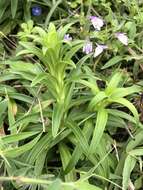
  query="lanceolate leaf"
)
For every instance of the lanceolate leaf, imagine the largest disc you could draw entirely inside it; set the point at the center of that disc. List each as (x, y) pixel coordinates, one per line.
(80, 137)
(14, 4)
(62, 31)
(77, 153)
(41, 145)
(74, 159)
(128, 167)
(113, 83)
(11, 115)
(3, 106)
(14, 152)
(3, 6)
(129, 105)
(56, 118)
(17, 137)
(122, 114)
(136, 152)
(122, 92)
(65, 157)
(102, 117)
(99, 97)
(26, 119)
(73, 51)
(138, 138)
(113, 61)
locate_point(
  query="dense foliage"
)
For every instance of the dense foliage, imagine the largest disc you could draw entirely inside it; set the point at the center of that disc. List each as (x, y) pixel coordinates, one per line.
(71, 102)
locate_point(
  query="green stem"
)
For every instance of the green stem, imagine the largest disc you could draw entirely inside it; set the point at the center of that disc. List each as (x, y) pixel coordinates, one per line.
(27, 180)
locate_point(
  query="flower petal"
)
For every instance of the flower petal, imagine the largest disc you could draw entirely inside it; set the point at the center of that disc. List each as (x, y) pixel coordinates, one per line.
(87, 48)
(99, 49)
(36, 10)
(96, 22)
(122, 38)
(67, 37)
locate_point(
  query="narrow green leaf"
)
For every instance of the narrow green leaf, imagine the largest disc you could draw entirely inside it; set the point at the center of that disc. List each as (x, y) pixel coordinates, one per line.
(101, 121)
(3, 7)
(39, 164)
(78, 151)
(3, 106)
(25, 66)
(113, 61)
(15, 152)
(8, 76)
(79, 136)
(90, 85)
(17, 137)
(122, 114)
(136, 141)
(56, 118)
(14, 4)
(21, 97)
(39, 30)
(34, 117)
(72, 51)
(44, 105)
(99, 97)
(136, 152)
(42, 145)
(129, 105)
(122, 92)
(11, 115)
(128, 167)
(63, 30)
(54, 6)
(65, 157)
(40, 77)
(74, 159)
(69, 92)
(113, 83)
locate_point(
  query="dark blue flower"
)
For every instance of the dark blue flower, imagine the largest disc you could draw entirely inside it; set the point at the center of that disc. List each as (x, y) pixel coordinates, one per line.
(36, 10)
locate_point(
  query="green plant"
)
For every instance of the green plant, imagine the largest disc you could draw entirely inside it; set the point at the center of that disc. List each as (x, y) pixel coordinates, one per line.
(68, 120)
(59, 115)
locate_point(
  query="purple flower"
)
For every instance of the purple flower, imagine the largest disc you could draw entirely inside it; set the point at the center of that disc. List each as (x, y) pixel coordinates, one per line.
(36, 10)
(87, 48)
(96, 22)
(122, 38)
(99, 49)
(67, 37)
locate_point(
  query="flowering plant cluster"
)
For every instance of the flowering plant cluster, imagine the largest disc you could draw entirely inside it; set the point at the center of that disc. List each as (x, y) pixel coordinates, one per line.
(71, 101)
(98, 23)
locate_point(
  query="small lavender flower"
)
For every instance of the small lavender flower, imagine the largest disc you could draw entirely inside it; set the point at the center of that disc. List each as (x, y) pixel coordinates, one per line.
(87, 48)
(96, 22)
(99, 49)
(67, 37)
(122, 38)
(36, 10)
